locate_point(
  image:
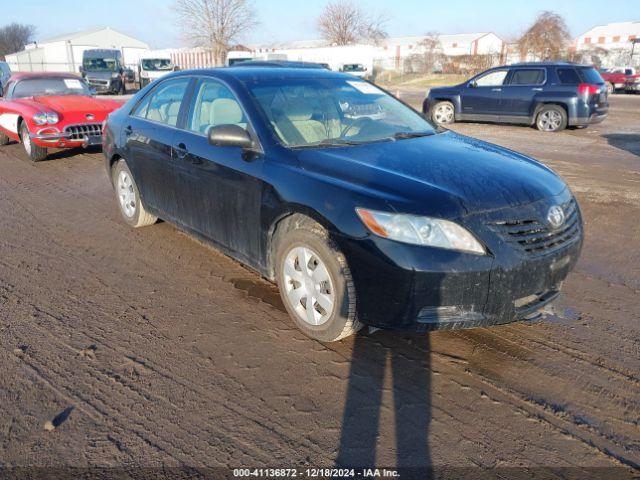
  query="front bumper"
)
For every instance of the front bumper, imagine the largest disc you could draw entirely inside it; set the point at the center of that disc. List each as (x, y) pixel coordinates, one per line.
(64, 140)
(418, 288)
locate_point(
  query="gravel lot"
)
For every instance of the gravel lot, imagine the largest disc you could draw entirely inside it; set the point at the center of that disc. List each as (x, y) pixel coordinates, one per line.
(154, 350)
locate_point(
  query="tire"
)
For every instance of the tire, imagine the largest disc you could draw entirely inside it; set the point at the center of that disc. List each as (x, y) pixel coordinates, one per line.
(306, 239)
(128, 197)
(551, 118)
(34, 152)
(4, 139)
(443, 113)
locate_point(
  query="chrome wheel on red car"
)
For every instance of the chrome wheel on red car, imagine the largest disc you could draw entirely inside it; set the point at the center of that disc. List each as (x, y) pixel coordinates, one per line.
(34, 152)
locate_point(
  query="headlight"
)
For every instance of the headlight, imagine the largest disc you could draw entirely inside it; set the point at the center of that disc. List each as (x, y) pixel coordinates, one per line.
(40, 118)
(52, 118)
(416, 230)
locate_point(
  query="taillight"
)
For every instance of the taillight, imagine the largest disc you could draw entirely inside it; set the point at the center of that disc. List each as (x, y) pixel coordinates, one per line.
(585, 90)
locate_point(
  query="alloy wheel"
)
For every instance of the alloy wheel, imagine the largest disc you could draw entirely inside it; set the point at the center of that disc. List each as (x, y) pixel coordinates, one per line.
(550, 120)
(444, 113)
(26, 141)
(126, 194)
(308, 286)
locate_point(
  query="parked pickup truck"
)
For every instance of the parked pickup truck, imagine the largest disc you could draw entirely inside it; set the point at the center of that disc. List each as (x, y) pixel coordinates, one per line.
(616, 78)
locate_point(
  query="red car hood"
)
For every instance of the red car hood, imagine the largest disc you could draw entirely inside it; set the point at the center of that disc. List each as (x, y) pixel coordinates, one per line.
(74, 107)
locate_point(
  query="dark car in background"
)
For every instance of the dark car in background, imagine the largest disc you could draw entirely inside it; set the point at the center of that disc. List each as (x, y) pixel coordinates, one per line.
(551, 96)
(359, 210)
(5, 73)
(104, 71)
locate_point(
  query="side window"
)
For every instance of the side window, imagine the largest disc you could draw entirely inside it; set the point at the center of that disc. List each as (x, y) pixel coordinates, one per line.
(528, 77)
(163, 103)
(492, 79)
(568, 76)
(214, 104)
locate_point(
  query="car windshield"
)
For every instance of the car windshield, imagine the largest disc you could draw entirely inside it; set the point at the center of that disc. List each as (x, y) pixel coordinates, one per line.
(32, 87)
(310, 112)
(156, 64)
(100, 64)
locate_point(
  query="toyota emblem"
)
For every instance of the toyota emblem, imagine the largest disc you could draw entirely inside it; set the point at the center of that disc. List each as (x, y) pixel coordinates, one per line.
(555, 216)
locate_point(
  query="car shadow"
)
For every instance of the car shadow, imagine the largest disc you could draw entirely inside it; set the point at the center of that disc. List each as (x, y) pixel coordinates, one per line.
(71, 152)
(629, 142)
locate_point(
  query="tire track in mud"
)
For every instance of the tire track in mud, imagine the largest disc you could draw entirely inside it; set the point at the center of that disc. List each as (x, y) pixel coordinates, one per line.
(81, 301)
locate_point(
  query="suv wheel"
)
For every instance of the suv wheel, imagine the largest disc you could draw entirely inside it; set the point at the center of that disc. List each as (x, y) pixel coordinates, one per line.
(551, 118)
(128, 196)
(34, 152)
(315, 283)
(443, 113)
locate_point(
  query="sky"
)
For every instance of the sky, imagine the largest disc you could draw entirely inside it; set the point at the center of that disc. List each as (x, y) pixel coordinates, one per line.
(153, 21)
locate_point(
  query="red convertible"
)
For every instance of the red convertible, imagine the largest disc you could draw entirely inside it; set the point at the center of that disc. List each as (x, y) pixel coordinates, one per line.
(51, 110)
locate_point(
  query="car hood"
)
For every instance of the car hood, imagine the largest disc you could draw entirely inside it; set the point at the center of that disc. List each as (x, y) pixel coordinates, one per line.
(69, 105)
(446, 174)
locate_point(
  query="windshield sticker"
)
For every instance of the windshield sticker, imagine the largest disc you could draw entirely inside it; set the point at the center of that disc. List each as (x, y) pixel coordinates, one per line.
(366, 88)
(73, 83)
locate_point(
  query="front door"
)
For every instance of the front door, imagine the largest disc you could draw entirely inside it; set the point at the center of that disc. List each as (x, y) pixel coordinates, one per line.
(149, 133)
(481, 97)
(519, 92)
(224, 204)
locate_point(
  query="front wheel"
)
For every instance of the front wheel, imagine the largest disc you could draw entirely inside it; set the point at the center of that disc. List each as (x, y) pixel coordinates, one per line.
(315, 283)
(551, 118)
(128, 195)
(34, 152)
(443, 113)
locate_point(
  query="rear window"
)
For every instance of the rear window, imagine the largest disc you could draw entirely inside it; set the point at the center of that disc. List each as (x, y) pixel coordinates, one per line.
(590, 75)
(528, 77)
(568, 76)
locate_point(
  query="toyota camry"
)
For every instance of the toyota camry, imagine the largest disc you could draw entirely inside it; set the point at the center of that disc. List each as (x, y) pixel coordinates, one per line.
(358, 208)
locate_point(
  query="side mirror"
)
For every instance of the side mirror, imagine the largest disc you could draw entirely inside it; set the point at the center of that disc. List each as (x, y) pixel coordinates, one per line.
(473, 84)
(230, 136)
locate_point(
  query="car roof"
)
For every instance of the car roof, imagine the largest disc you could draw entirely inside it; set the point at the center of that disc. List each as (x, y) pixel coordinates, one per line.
(278, 63)
(23, 75)
(548, 64)
(266, 73)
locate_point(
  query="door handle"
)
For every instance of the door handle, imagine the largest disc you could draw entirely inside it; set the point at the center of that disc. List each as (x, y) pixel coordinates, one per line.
(181, 150)
(496, 89)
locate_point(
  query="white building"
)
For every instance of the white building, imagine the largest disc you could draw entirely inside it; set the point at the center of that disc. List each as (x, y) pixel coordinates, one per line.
(610, 37)
(64, 52)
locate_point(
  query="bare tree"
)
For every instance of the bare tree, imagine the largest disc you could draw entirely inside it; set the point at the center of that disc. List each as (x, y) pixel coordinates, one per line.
(547, 38)
(14, 37)
(215, 24)
(343, 22)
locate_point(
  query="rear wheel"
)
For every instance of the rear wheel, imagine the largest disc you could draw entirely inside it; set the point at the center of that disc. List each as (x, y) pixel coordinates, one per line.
(551, 118)
(315, 282)
(443, 113)
(4, 139)
(128, 196)
(34, 152)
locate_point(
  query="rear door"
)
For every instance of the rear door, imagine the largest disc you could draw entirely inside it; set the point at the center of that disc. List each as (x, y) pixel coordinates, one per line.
(149, 133)
(519, 92)
(482, 95)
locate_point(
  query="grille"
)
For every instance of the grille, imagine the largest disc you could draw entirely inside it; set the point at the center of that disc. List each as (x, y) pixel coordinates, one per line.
(79, 132)
(537, 238)
(95, 81)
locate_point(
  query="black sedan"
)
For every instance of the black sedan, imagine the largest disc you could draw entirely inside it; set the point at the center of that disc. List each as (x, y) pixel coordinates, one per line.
(360, 210)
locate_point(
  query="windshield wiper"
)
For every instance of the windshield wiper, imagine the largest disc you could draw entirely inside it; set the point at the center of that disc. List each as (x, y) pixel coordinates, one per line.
(329, 142)
(403, 135)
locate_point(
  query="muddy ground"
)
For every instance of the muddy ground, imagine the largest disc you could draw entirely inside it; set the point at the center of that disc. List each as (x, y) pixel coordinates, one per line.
(145, 348)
